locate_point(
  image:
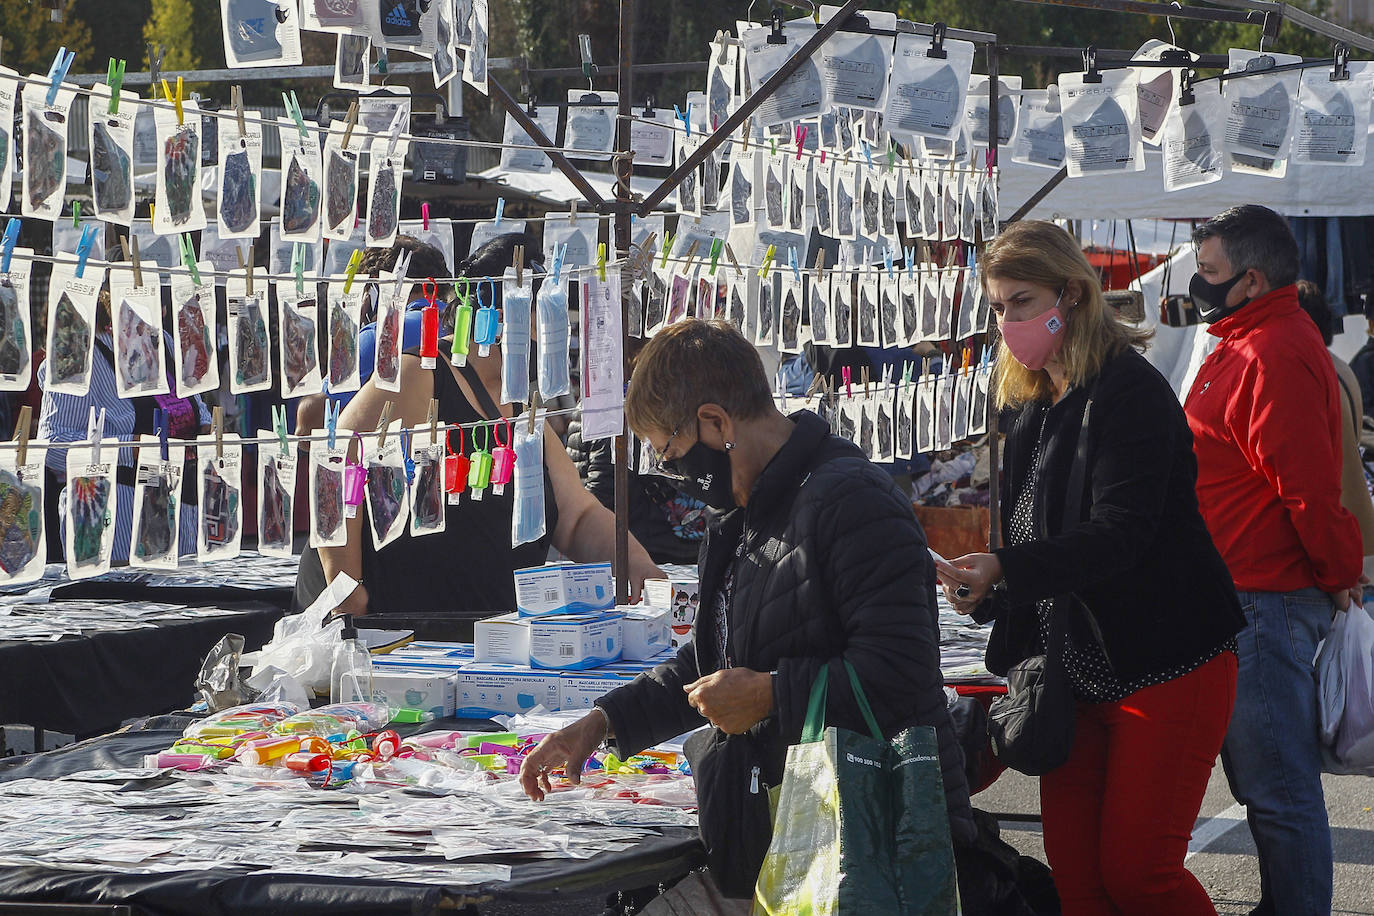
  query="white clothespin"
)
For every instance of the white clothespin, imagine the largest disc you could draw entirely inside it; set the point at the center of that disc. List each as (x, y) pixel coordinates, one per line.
(95, 432)
(402, 265)
(397, 122)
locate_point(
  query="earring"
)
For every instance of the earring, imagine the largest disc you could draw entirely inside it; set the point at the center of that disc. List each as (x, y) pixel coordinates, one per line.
(729, 446)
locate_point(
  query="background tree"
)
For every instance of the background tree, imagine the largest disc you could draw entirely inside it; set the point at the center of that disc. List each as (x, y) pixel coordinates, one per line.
(32, 39)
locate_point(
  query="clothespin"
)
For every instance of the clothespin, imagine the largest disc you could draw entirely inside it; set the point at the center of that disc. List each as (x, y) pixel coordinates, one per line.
(279, 427)
(1185, 86)
(559, 253)
(331, 415)
(76, 214)
(887, 261)
(1341, 70)
(11, 236)
(572, 213)
(748, 129)
(114, 78)
(668, 241)
(816, 381)
(21, 433)
(820, 263)
(968, 360)
(402, 266)
(909, 255)
(716, 245)
(891, 154)
(867, 382)
(907, 368)
(686, 119)
(500, 210)
(406, 458)
(95, 432)
(937, 42)
(768, 257)
(776, 37)
(130, 247)
(236, 100)
(83, 248)
(792, 262)
(801, 139)
(217, 428)
(382, 424)
(398, 120)
(773, 145)
(293, 108)
(188, 257)
(724, 45)
(176, 100)
(247, 268)
(433, 420)
(1090, 74)
(350, 122)
(424, 215)
(298, 266)
(601, 261)
(160, 424)
(518, 262)
(848, 377)
(355, 261)
(534, 407)
(155, 58)
(691, 255)
(868, 153)
(58, 72)
(730, 253)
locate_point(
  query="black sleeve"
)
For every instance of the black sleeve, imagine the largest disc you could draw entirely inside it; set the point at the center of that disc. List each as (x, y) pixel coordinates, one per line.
(879, 579)
(1136, 432)
(653, 707)
(594, 463)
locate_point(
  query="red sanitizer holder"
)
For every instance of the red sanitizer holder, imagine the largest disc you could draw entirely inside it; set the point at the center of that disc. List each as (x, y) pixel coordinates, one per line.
(502, 461)
(456, 468)
(429, 327)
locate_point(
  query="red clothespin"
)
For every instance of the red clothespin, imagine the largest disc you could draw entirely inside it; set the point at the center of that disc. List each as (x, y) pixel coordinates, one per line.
(424, 215)
(848, 377)
(801, 140)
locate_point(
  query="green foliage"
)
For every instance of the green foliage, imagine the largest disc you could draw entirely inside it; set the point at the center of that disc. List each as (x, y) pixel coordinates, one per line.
(32, 39)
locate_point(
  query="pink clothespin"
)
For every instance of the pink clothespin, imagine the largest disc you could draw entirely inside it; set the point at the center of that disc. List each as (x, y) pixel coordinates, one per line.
(424, 214)
(801, 140)
(848, 377)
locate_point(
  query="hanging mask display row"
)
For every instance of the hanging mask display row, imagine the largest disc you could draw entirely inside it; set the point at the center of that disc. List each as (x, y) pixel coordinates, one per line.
(16, 335)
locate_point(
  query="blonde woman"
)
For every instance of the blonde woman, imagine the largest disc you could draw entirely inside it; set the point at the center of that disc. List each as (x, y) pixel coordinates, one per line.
(1151, 612)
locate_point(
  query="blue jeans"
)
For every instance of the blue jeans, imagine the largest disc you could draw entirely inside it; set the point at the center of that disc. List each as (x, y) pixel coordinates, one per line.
(1272, 754)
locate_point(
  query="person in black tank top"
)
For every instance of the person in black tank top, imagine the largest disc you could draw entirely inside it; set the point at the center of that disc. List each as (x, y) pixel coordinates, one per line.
(469, 566)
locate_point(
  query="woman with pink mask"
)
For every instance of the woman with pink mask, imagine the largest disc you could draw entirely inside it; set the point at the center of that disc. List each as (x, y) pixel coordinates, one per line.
(1142, 608)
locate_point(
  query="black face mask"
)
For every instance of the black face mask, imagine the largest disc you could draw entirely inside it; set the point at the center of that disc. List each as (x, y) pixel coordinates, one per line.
(705, 476)
(1210, 298)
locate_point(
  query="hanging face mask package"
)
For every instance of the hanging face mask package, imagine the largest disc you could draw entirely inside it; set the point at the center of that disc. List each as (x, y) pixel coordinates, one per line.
(276, 495)
(386, 366)
(9, 153)
(931, 198)
(765, 315)
(591, 124)
(384, 192)
(531, 160)
(16, 337)
(925, 412)
(868, 424)
(1101, 122)
(822, 192)
(528, 513)
(178, 206)
(799, 181)
(23, 540)
(870, 184)
(260, 32)
(965, 324)
(139, 356)
(774, 190)
(250, 361)
(890, 309)
(1192, 138)
(1040, 129)
(951, 201)
(976, 110)
(766, 48)
(790, 317)
(819, 308)
(475, 60)
(387, 504)
(427, 499)
(407, 25)
(846, 201)
(240, 179)
(963, 380)
(220, 466)
(340, 185)
(517, 299)
(950, 278)
(341, 16)
(298, 326)
(909, 303)
(1333, 118)
(157, 502)
(928, 86)
(854, 66)
(689, 191)
(978, 404)
(849, 416)
(884, 446)
(905, 407)
(345, 312)
(90, 506)
(45, 149)
(944, 408)
(679, 295)
(327, 463)
(111, 144)
(868, 308)
(446, 61)
(842, 307)
(302, 176)
(193, 308)
(1259, 113)
(656, 296)
(71, 327)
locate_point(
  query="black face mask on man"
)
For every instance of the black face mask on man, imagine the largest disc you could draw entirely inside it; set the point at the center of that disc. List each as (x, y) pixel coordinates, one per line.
(1210, 298)
(704, 473)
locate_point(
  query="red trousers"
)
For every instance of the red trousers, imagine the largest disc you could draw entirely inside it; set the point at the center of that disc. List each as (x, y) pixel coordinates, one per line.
(1119, 814)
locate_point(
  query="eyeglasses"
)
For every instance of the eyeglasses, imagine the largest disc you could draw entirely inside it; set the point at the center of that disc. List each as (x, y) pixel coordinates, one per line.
(660, 464)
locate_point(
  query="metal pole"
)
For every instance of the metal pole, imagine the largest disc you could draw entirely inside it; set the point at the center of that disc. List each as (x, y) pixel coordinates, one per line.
(508, 102)
(1034, 200)
(624, 202)
(751, 104)
(994, 469)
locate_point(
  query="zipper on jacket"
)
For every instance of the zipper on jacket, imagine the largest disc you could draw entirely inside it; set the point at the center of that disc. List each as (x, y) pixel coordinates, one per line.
(754, 781)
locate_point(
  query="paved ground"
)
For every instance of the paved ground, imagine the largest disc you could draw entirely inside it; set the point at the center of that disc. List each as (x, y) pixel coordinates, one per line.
(1222, 854)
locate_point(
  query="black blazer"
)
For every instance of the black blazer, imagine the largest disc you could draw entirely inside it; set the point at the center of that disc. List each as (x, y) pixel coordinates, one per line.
(1141, 559)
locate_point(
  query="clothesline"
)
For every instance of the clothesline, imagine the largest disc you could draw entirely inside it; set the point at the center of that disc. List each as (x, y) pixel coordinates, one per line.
(780, 263)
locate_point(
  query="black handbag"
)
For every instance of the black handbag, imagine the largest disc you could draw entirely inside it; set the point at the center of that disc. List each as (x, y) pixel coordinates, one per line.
(1031, 728)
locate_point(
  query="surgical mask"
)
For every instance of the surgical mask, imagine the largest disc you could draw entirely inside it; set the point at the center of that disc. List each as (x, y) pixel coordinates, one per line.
(1210, 298)
(1035, 341)
(703, 473)
(528, 514)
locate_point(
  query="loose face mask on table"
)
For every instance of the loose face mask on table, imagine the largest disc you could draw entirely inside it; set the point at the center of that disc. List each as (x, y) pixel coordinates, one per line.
(705, 475)
(1210, 298)
(1035, 341)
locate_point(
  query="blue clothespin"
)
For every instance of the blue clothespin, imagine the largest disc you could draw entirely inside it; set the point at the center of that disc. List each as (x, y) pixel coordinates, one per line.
(298, 266)
(868, 154)
(331, 415)
(686, 119)
(58, 72)
(559, 253)
(909, 255)
(887, 261)
(405, 455)
(83, 248)
(160, 424)
(11, 236)
(279, 427)
(792, 262)
(188, 257)
(293, 108)
(500, 209)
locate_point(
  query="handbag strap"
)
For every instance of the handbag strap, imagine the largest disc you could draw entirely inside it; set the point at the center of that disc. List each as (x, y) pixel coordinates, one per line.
(1073, 511)
(813, 729)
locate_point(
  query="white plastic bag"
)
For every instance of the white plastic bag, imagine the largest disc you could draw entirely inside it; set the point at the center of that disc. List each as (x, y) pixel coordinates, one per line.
(1355, 739)
(1331, 679)
(302, 646)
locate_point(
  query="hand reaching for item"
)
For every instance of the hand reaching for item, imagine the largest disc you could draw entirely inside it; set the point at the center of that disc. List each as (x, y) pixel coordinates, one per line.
(567, 748)
(968, 580)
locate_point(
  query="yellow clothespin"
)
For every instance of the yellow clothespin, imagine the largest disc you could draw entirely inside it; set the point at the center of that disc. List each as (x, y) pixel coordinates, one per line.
(768, 261)
(691, 255)
(601, 261)
(176, 100)
(355, 261)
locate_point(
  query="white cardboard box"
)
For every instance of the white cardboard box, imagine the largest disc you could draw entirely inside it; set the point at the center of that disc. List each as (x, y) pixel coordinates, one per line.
(583, 689)
(644, 632)
(490, 690)
(504, 640)
(564, 588)
(574, 642)
(404, 688)
(682, 597)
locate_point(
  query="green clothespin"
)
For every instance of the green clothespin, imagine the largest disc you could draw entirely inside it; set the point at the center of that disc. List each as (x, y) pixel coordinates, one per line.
(668, 241)
(717, 245)
(76, 214)
(298, 266)
(293, 108)
(891, 155)
(601, 261)
(115, 79)
(188, 257)
(279, 427)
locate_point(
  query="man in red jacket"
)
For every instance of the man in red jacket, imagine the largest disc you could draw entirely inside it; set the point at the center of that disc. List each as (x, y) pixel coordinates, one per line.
(1266, 426)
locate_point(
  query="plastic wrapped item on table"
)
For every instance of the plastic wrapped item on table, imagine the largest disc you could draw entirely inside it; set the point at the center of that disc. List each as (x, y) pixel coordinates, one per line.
(337, 719)
(240, 720)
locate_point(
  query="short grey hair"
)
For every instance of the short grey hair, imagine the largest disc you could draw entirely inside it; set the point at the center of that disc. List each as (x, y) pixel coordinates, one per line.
(1254, 237)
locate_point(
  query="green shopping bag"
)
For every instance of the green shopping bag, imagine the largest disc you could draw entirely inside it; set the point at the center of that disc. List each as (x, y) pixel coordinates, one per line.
(861, 823)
